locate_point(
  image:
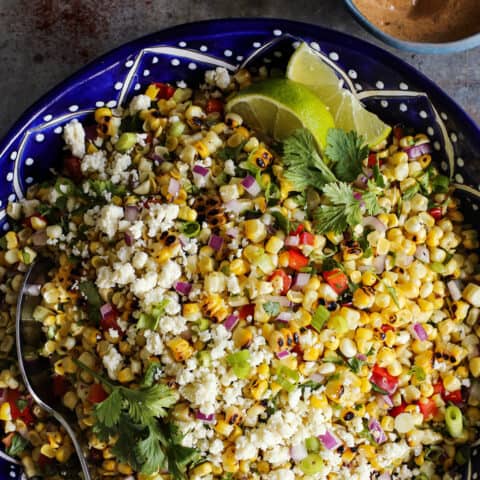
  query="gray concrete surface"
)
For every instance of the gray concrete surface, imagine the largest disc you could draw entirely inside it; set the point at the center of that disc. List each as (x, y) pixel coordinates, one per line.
(43, 41)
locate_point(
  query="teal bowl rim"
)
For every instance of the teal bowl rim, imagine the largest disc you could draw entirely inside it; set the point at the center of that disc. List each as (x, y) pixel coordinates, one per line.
(466, 43)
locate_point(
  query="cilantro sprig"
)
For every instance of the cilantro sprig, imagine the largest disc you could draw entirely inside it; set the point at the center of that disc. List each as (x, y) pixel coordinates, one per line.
(137, 419)
(305, 168)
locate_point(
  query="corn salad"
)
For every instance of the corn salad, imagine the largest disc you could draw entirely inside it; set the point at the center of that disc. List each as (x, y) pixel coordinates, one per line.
(179, 243)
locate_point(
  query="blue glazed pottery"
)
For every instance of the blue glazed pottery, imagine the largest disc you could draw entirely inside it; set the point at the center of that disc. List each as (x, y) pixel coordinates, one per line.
(180, 55)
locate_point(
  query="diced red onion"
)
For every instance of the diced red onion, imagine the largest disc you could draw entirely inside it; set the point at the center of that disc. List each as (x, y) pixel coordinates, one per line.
(388, 400)
(200, 170)
(357, 196)
(375, 223)
(215, 242)
(183, 287)
(300, 281)
(298, 452)
(283, 354)
(3, 395)
(385, 476)
(39, 238)
(420, 332)
(109, 315)
(129, 239)
(106, 310)
(454, 289)
(284, 317)
(377, 431)
(235, 206)
(368, 172)
(361, 181)
(417, 150)
(206, 418)
(423, 254)
(292, 241)
(183, 240)
(251, 185)
(379, 263)
(317, 377)
(131, 213)
(230, 322)
(329, 440)
(361, 357)
(173, 187)
(404, 260)
(232, 232)
(283, 301)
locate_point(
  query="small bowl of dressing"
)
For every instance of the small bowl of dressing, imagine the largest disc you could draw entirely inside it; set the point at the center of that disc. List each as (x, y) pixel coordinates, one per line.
(422, 26)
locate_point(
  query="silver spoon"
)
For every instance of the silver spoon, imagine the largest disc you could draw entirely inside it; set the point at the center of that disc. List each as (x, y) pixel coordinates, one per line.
(36, 370)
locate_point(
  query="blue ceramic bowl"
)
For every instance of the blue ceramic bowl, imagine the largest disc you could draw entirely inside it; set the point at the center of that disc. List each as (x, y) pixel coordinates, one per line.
(180, 55)
(419, 47)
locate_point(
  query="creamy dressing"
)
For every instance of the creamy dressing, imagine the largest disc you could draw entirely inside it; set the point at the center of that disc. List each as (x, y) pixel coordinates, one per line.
(434, 21)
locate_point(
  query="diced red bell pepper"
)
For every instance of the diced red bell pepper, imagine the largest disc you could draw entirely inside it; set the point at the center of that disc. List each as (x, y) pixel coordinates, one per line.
(7, 441)
(246, 311)
(296, 260)
(286, 280)
(428, 407)
(298, 230)
(13, 396)
(454, 397)
(395, 411)
(436, 213)
(97, 393)
(214, 105)
(72, 167)
(336, 279)
(398, 132)
(387, 328)
(307, 238)
(60, 386)
(439, 388)
(372, 160)
(109, 321)
(43, 461)
(382, 379)
(165, 91)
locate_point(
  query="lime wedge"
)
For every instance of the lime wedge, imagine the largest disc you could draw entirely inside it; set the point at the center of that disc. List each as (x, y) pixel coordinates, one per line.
(278, 106)
(307, 67)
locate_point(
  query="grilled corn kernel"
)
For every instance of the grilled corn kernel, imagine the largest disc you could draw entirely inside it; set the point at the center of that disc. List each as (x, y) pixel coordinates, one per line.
(180, 348)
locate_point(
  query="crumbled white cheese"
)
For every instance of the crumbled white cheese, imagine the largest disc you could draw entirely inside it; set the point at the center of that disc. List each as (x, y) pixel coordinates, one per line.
(94, 162)
(170, 273)
(173, 325)
(139, 260)
(277, 456)
(112, 361)
(109, 218)
(74, 137)
(138, 103)
(154, 344)
(161, 218)
(229, 167)
(144, 284)
(219, 77)
(119, 167)
(123, 273)
(105, 278)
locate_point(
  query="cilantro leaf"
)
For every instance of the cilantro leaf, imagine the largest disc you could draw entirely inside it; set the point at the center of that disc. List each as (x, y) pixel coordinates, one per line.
(152, 371)
(371, 203)
(272, 308)
(108, 412)
(410, 192)
(282, 221)
(346, 150)
(17, 445)
(90, 291)
(419, 373)
(303, 165)
(344, 212)
(392, 292)
(378, 177)
(150, 321)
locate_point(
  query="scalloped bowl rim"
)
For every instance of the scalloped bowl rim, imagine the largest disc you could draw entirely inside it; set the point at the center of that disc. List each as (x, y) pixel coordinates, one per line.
(456, 46)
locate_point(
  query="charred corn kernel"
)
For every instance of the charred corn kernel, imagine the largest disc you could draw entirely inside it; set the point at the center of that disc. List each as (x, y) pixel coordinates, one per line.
(191, 310)
(242, 132)
(205, 265)
(70, 400)
(263, 467)
(202, 470)
(233, 120)
(368, 451)
(369, 278)
(5, 412)
(102, 115)
(356, 276)
(311, 354)
(109, 465)
(64, 453)
(255, 230)
(12, 240)
(180, 348)
(239, 267)
(47, 451)
(318, 401)
(201, 148)
(242, 337)
(124, 469)
(387, 423)
(125, 375)
(274, 245)
(451, 382)
(237, 432)
(474, 365)
(69, 365)
(363, 298)
(186, 213)
(214, 307)
(398, 158)
(223, 428)
(347, 456)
